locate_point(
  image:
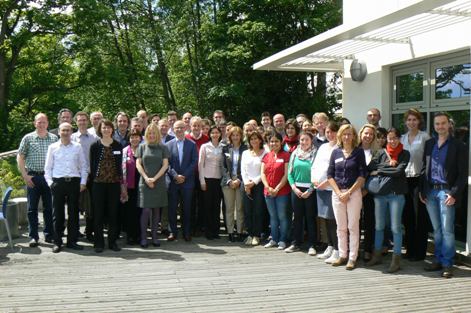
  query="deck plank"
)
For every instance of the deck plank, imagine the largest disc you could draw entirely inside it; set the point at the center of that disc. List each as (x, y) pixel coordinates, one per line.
(215, 276)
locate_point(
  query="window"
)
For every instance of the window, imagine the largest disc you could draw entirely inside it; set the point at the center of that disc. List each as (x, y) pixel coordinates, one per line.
(436, 84)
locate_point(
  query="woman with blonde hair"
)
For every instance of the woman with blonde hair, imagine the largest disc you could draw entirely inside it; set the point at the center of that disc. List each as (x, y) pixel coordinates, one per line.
(369, 145)
(152, 163)
(346, 175)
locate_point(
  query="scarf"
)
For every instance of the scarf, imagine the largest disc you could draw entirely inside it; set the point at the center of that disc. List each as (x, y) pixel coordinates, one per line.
(291, 143)
(394, 152)
(304, 155)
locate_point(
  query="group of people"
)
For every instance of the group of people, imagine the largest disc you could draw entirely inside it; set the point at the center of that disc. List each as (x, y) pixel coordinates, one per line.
(275, 183)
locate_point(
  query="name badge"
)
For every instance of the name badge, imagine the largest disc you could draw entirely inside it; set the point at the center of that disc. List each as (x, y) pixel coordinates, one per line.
(116, 152)
(280, 161)
(338, 160)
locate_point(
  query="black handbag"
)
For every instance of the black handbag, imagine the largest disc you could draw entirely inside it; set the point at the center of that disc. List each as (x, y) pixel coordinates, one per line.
(379, 184)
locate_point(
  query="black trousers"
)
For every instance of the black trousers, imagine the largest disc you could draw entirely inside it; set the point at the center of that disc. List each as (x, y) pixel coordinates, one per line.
(416, 221)
(132, 215)
(106, 199)
(212, 199)
(89, 225)
(254, 208)
(368, 223)
(305, 210)
(65, 191)
(198, 207)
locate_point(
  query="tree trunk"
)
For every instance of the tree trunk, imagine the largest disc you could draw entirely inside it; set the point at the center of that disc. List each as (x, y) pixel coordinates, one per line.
(169, 97)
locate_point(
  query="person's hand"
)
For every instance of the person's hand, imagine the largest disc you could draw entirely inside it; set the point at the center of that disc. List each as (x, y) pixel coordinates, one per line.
(180, 179)
(29, 181)
(373, 173)
(422, 198)
(297, 192)
(323, 185)
(249, 185)
(83, 188)
(203, 187)
(236, 183)
(344, 196)
(247, 189)
(306, 194)
(450, 200)
(393, 163)
(364, 192)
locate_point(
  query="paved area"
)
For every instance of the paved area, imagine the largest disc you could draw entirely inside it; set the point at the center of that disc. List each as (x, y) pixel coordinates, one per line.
(214, 276)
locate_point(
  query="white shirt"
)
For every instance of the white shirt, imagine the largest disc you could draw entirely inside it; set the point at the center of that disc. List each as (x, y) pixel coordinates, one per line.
(368, 156)
(65, 161)
(321, 163)
(85, 140)
(251, 166)
(92, 130)
(416, 150)
(209, 164)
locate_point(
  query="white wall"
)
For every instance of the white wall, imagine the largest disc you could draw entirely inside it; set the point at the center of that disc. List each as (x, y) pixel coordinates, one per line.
(374, 91)
(359, 11)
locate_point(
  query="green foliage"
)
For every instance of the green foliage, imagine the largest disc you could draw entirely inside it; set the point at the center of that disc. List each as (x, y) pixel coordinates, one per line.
(185, 55)
(11, 177)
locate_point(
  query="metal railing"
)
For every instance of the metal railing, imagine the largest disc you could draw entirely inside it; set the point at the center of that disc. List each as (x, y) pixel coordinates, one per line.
(8, 154)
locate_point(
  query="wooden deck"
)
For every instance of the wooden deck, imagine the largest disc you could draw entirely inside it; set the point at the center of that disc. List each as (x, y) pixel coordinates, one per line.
(214, 276)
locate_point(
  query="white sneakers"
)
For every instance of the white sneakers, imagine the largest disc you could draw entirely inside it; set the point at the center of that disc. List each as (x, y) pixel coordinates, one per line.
(281, 245)
(327, 253)
(334, 257)
(271, 244)
(312, 251)
(255, 241)
(292, 248)
(248, 241)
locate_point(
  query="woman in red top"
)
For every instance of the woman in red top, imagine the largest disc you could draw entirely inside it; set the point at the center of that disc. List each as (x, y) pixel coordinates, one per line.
(274, 177)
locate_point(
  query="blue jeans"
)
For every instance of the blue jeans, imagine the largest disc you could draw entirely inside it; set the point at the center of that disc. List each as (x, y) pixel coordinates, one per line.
(42, 191)
(443, 221)
(395, 203)
(279, 222)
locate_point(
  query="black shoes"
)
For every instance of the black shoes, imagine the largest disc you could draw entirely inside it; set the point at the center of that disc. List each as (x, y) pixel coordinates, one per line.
(98, 249)
(433, 267)
(115, 247)
(74, 246)
(56, 249)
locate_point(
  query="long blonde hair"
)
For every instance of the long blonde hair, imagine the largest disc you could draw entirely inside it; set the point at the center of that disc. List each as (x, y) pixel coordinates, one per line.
(374, 143)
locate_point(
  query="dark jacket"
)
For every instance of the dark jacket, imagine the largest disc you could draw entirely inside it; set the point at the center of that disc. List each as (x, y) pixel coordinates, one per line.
(186, 167)
(380, 163)
(227, 163)
(96, 154)
(456, 166)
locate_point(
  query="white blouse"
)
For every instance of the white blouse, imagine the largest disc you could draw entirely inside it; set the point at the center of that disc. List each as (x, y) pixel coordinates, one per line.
(321, 163)
(416, 150)
(251, 166)
(209, 163)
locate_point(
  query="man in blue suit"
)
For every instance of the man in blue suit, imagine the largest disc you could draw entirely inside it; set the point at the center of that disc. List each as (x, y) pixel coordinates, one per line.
(183, 161)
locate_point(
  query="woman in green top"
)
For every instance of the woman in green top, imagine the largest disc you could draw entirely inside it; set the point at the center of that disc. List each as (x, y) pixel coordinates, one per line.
(303, 199)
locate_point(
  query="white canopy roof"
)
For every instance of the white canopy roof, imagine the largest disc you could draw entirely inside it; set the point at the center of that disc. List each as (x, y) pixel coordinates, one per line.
(327, 51)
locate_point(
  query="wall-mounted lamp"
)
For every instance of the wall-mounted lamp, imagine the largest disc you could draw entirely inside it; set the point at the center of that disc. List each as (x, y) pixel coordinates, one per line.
(358, 70)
